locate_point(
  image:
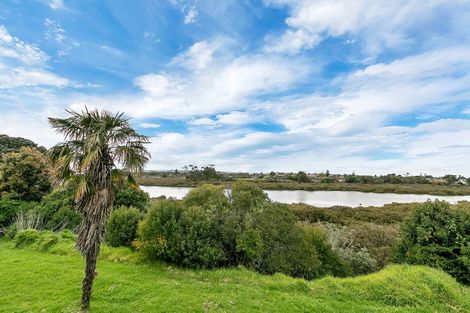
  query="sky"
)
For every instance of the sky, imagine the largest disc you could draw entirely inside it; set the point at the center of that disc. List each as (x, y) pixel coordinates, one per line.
(370, 86)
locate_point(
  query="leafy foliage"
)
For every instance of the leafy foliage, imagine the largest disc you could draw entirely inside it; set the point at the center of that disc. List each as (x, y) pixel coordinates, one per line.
(131, 196)
(13, 144)
(439, 236)
(10, 207)
(184, 236)
(207, 230)
(25, 174)
(285, 248)
(58, 210)
(122, 226)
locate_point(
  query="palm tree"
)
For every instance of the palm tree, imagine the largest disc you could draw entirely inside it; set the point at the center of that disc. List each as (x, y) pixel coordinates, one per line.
(100, 149)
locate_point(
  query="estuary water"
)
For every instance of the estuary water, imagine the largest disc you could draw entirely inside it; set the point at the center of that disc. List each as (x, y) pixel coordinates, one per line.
(320, 198)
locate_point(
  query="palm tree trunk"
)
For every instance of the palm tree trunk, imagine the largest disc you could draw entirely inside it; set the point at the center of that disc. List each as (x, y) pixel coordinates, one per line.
(90, 268)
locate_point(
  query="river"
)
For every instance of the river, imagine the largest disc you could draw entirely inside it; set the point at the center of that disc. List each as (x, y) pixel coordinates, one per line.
(320, 198)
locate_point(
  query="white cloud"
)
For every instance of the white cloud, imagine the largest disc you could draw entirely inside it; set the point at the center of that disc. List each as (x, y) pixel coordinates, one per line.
(191, 16)
(24, 64)
(149, 125)
(236, 118)
(30, 77)
(198, 56)
(380, 92)
(203, 121)
(56, 4)
(292, 42)
(219, 88)
(16, 49)
(159, 85)
(54, 30)
(378, 23)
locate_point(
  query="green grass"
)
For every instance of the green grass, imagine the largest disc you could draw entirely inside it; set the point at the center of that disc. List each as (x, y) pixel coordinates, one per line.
(35, 281)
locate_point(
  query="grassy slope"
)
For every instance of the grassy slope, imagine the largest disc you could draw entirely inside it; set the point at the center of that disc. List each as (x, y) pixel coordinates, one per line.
(32, 281)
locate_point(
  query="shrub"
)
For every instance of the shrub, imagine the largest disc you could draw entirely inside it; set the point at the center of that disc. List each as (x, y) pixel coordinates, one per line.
(378, 239)
(58, 210)
(247, 197)
(285, 246)
(186, 236)
(331, 263)
(439, 236)
(9, 208)
(122, 227)
(131, 196)
(210, 196)
(342, 241)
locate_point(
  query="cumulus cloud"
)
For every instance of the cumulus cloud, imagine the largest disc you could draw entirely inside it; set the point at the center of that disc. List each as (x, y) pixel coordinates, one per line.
(216, 89)
(198, 56)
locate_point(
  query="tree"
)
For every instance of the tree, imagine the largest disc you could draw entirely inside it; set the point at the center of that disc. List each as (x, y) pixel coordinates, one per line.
(99, 149)
(302, 177)
(12, 144)
(25, 174)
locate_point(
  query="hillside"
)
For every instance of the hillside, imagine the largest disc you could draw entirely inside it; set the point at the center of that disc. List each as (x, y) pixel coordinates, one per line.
(35, 281)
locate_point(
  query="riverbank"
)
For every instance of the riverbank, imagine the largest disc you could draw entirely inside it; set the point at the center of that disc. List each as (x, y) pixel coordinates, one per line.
(437, 190)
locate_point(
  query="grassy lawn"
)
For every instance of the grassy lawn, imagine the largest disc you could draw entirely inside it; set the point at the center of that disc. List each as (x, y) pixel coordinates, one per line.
(33, 281)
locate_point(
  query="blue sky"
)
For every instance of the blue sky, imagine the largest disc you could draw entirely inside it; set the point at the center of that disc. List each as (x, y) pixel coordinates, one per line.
(370, 86)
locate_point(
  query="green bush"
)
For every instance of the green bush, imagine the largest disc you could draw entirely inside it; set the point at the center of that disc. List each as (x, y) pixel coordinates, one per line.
(207, 195)
(247, 197)
(331, 263)
(439, 236)
(185, 236)
(122, 226)
(58, 210)
(130, 196)
(285, 247)
(207, 230)
(9, 208)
